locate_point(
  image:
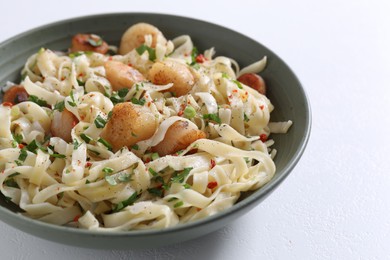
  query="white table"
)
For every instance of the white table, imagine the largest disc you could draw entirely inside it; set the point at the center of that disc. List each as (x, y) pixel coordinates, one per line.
(336, 202)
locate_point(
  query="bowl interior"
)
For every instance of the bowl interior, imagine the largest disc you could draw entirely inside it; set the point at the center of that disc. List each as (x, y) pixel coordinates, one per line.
(284, 91)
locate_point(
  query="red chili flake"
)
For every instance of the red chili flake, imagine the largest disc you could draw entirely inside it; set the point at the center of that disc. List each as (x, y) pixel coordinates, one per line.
(198, 209)
(149, 103)
(263, 137)
(80, 75)
(63, 78)
(147, 160)
(212, 162)
(212, 185)
(7, 104)
(262, 107)
(180, 113)
(74, 123)
(88, 164)
(200, 58)
(110, 58)
(21, 146)
(76, 218)
(230, 96)
(235, 90)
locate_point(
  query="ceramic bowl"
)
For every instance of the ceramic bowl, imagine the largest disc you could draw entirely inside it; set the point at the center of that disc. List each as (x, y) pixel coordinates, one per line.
(284, 91)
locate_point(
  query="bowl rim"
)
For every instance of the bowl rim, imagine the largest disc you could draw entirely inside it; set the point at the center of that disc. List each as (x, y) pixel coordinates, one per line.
(245, 203)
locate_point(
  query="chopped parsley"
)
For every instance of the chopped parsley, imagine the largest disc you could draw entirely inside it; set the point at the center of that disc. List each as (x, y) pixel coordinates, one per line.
(86, 138)
(136, 101)
(180, 176)
(125, 203)
(76, 144)
(22, 155)
(108, 170)
(152, 52)
(213, 117)
(37, 100)
(95, 41)
(156, 191)
(246, 118)
(60, 106)
(100, 122)
(153, 172)
(239, 85)
(178, 204)
(105, 143)
(17, 138)
(72, 103)
(189, 112)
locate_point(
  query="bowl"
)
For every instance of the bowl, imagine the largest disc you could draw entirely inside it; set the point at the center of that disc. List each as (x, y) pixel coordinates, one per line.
(284, 91)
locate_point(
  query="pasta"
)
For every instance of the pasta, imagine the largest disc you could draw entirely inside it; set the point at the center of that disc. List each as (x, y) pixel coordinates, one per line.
(150, 137)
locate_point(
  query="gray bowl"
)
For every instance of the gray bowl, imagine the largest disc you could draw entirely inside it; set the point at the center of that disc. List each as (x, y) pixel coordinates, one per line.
(284, 91)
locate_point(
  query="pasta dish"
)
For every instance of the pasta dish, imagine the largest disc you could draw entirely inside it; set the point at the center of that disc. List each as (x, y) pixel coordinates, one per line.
(149, 134)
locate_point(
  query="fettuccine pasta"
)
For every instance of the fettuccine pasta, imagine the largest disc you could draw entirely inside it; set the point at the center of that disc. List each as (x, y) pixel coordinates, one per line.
(148, 135)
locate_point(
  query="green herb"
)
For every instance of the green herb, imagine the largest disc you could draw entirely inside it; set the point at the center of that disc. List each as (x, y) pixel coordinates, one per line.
(123, 92)
(37, 100)
(179, 177)
(213, 117)
(178, 204)
(72, 103)
(189, 112)
(135, 147)
(115, 98)
(239, 85)
(105, 143)
(138, 101)
(153, 172)
(10, 182)
(22, 155)
(32, 147)
(155, 156)
(58, 155)
(76, 54)
(17, 138)
(100, 122)
(76, 144)
(194, 53)
(86, 138)
(225, 75)
(18, 163)
(156, 191)
(109, 115)
(172, 199)
(152, 52)
(246, 118)
(87, 182)
(126, 203)
(133, 134)
(108, 170)
(60, 106)
(81, 83)
(186, 186)
(95, 42)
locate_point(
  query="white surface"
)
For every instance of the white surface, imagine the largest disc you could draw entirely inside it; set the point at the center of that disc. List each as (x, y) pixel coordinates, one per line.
(336, 203)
